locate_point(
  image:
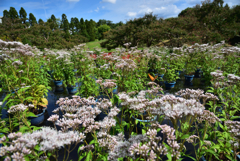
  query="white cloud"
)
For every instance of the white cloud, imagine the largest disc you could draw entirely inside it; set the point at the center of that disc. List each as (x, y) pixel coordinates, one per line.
(72, 0)
(145, 10)
(103, 6)
(110, 1)
(131, 14)
(124, 10)
(90, 11)
(96, 9)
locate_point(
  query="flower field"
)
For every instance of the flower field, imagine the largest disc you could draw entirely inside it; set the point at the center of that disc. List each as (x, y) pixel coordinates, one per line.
(151, 104)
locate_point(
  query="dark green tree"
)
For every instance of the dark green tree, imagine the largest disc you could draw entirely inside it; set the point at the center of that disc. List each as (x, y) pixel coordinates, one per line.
(6, 15)
(65, 27)
(72, 26)
(102, 29)
(87, 23)
(76, 25)
(91, 32)
(58, 21)
(235, 11)
(32, 19)
(64, 17)
(23, 15)
(40, 22)
(183, 13)
(83, 28)
(11, 28)
(13, 14)
(120, 23)
(101, 22)
(54, 24)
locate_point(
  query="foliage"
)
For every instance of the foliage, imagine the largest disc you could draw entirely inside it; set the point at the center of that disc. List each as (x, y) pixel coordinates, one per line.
(32, 19)
(101, 30)
(37, 94)
(23, 15)
(83, 28)
(209, 23)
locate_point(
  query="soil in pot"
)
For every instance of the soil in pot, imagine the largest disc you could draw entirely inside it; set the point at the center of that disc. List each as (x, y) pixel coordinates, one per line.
(36, 111)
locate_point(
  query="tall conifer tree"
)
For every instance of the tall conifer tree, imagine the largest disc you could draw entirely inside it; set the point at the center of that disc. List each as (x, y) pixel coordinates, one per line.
(76, 25)
(23, 15)
(32, 19)
(72, 26)
(40, 22)
(91, 32)
(83, 28)
(13, 13)
(54, 22)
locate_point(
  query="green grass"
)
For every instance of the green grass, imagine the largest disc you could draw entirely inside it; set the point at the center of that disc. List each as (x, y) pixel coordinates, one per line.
(93, 44)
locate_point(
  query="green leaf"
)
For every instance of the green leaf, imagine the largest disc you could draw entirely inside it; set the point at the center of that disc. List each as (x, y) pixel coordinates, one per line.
(234, 117)
(210, 151)
(185, 136)
(26, 158)
(169, 157)
(23, 129)
(36, 128)
(89, 156)
(92, 142)
(30, 114)
(143, 131)
(4, 130)
(82, 156)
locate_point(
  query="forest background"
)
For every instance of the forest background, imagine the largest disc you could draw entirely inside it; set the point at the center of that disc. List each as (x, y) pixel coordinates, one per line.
(209, 23)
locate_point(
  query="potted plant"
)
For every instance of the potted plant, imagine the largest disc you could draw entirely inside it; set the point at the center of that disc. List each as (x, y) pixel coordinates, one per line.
(170, 78)
(58, 76)
(161, 72)
(36, 95)
(189, 71)
(70, 78)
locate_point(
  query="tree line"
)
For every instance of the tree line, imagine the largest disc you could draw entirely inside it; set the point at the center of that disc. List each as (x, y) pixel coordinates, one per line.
(55, 33)
(211, 22)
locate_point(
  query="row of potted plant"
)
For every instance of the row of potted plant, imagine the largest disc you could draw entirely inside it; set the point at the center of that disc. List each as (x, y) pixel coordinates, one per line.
(128, 73)
(108, 134)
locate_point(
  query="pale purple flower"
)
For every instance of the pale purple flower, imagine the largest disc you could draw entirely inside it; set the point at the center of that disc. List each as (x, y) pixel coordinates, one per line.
(53, 118)
(17, 108)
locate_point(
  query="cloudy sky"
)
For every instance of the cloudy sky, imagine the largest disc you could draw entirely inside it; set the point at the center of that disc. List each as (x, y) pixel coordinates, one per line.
(113, 10)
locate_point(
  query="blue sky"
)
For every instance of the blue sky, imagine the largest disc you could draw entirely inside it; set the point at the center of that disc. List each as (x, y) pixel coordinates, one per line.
(113, 10)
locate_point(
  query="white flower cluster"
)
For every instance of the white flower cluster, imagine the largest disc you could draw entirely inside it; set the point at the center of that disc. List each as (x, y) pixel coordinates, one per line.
(17, 108)
(196, 94)
(209, 117)
(14, 44)
(127, 44)
(234, 127)
(192, 139)
(233, 78)
(47, 138)
(18, 62)
(126, 64)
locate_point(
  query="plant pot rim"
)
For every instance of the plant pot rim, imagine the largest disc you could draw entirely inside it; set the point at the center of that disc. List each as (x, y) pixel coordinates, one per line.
(58, 80)
(169, 83)
(43, 111)
(186, 75)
